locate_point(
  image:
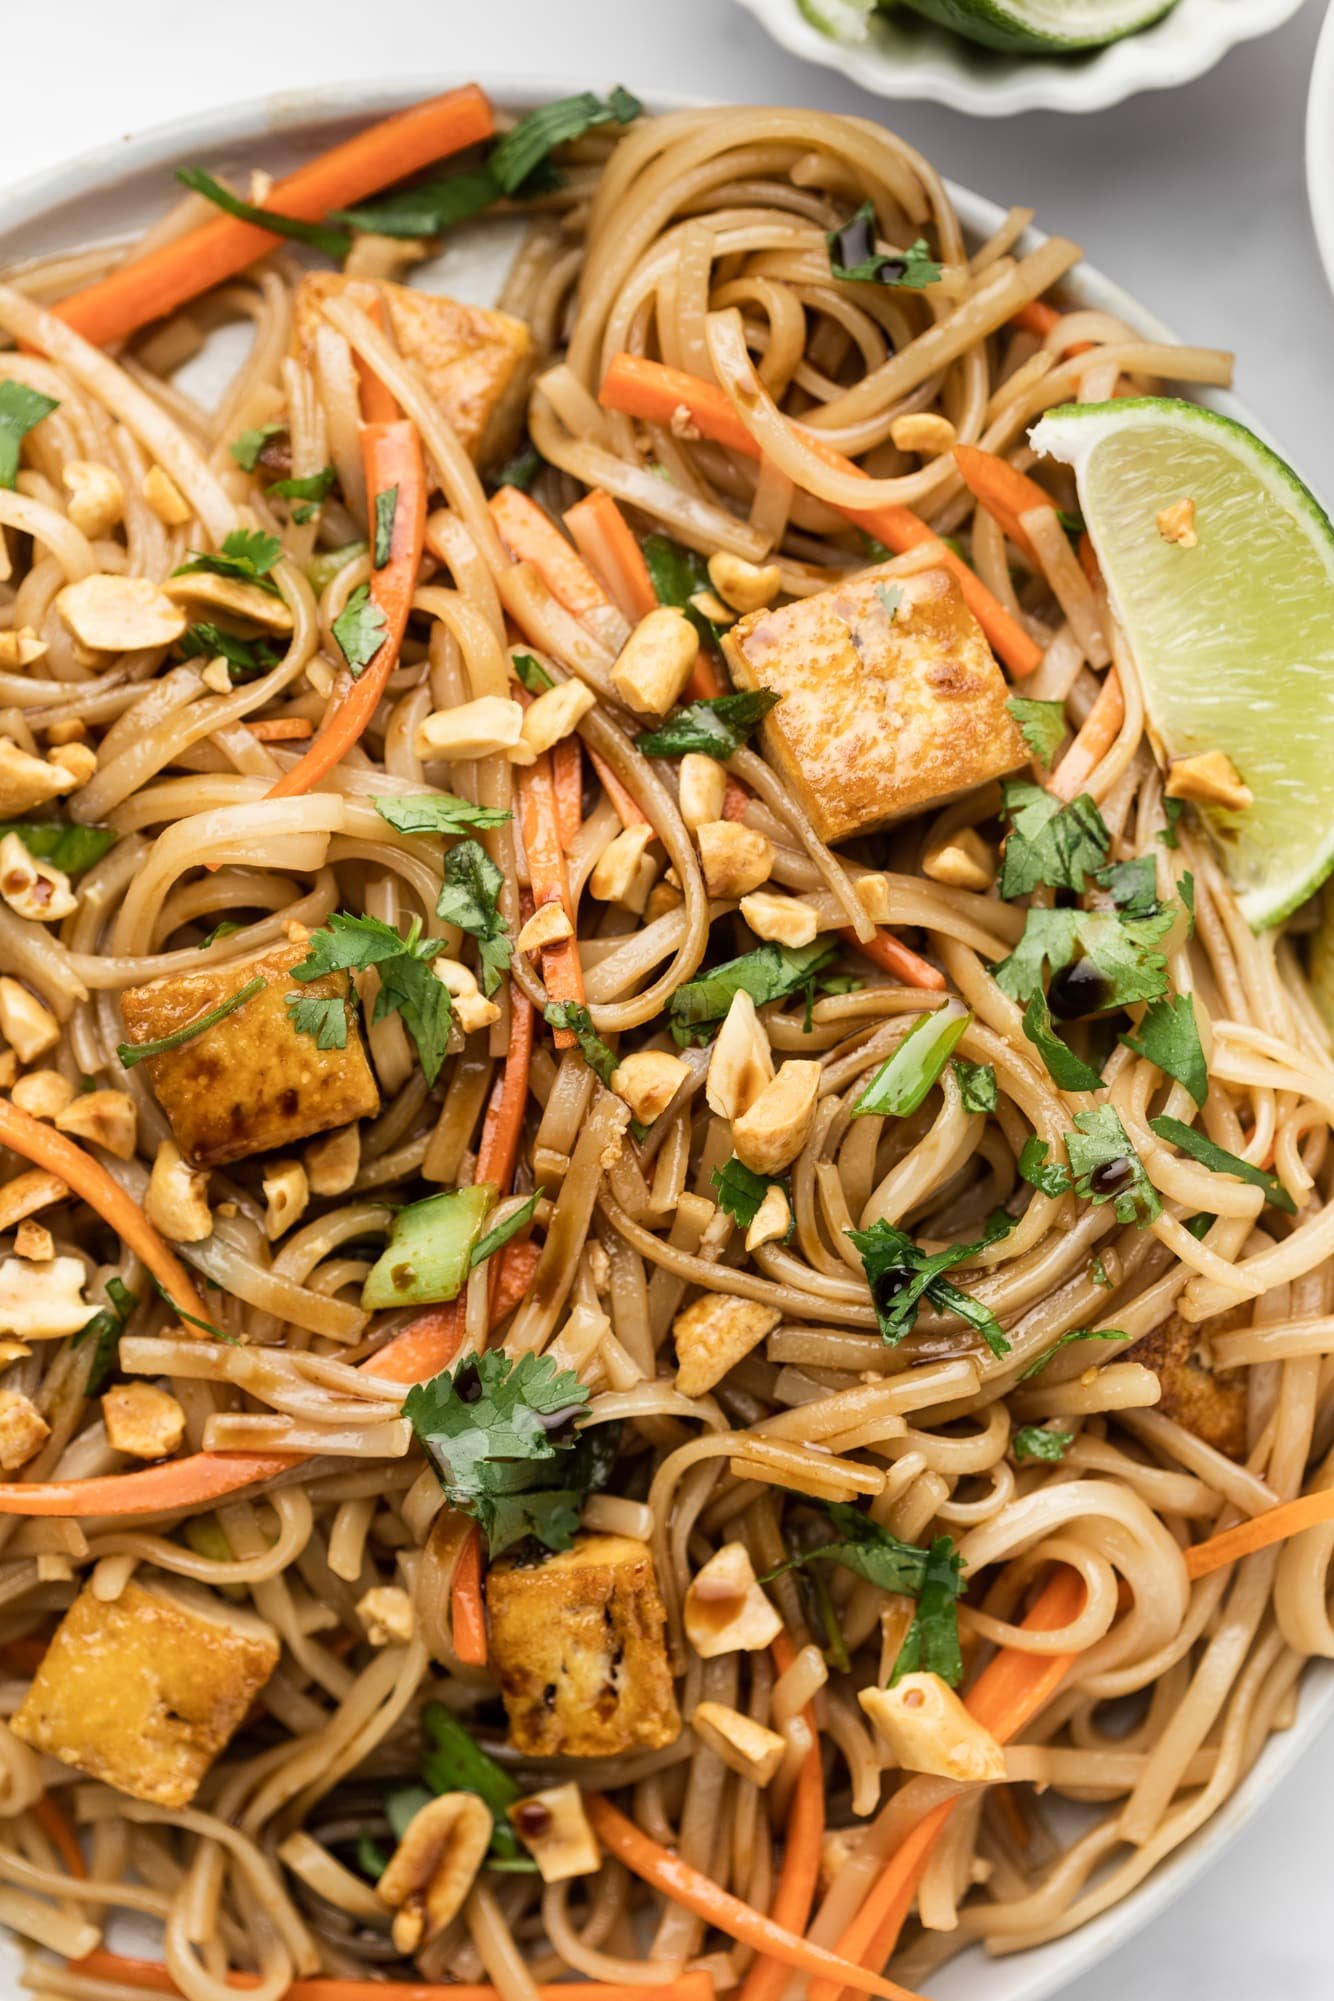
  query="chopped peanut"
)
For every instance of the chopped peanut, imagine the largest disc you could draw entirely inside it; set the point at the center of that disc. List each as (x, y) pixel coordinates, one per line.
(471, 1010)
(386, 1613)
(874, 895)
(434, 1866)
(771, 1133)
(923, 431)
(771, 1221)
(745, 586)
(703, 788)
(928, 1729)
(42, 1094)
(75, 761)
(32, 887)
(555, 1830)
(42, 1302)
(548, 925)
(27, 781)
(662, 898)
(286, 1191)
(31, 1028)
(555, 713)
(472, 729)
(27, 1193)
(735, 859)
(1211, 779)
(616, 870)
(715, 1333)
(59, 735)
(112, 614)
(648, 1080)
(740, 1063)
(231, 594)
(107, 1118)
(9, 1068)
(744, 1745)
(218, 676)
(961, 860)
(655, 662)
(1177, 524)
(177, 1200)
(34, 1241)
(20, 647)
(23, 1429)
(142, 1420)
(96, 496)
(332, 1162)
(726, 1611)
(709, 605)
(165, 498)
(785, 920)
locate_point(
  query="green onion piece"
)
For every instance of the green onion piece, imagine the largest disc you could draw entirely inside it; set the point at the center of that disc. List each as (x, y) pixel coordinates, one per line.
(901, 1084)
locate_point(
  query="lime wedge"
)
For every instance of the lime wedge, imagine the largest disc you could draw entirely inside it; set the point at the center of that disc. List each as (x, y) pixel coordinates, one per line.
(1233, 637)
(1043, 27)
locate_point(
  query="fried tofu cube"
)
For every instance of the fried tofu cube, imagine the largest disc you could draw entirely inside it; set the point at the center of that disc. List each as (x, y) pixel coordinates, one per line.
(253, 1080)
(1208, 1402)
(577, 1643)
(476, 362)
(891, 700)
(143, 1691)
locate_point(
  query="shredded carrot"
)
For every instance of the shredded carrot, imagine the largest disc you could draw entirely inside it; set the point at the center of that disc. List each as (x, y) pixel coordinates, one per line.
(378, 403)
(567, 780)
(467, 1617)
(390, 151)
(499, 1146)
(1003, 490)
(516, 1264)
(648, 390)
(281, 729)
(893, 956)
(1037, 317)
(676, 1879)
(151, 1977)
(533, 537)
(797, 1879)
(392, 456)
(51, 1819)
(1289, 1518)
(605, 541)
(628, 810)
(1097, 734)
(539, 823)
(1008, 1693)
(704, 684)
(48, 1149)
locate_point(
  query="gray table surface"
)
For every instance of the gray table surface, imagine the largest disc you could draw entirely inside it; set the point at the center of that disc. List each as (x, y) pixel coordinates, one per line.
(1193, 199)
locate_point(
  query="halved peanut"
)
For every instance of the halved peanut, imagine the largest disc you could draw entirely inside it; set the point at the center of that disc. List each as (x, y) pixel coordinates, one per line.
(771, 1221)
(725, 1609)
(287, 1192)
(106, 1118)
(165, 498)
(434, 1866)
(556, 1831)
(703, 788)
(745, 1746)
(33, 888)
(548, 925)
(332, 1162)
(23, 1429)
(740, 1063)
(20, 647)
(142, 1420)
(472, 729)
(42, 1094)
(923, 431)
(555, 713)
(26, 1025)
(471, 1010)
(27, 781)
(34, 1242)
(655, 662)
(76, 763)
(928, 1729)
(745, 586)
(112, 614)
(770, 1134)
(961, 860)
(177, 1200)
(232, 594)
(386, 1613)
(616, 870)
(783, 920)
(648, 1080)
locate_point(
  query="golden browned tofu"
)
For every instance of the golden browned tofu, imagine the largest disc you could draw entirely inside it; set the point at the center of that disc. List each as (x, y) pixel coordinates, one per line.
(144, 1690)
(891, 700)
(1204, 1400)
(578, 1648)
(476, 361)
(252, 1081)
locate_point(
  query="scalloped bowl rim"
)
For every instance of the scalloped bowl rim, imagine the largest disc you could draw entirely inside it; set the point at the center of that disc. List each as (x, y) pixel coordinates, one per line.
(938, 65)
(50, 205)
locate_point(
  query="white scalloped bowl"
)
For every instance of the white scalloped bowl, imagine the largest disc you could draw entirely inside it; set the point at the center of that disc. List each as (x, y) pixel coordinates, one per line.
(1320, 144)
(903, 55)
(117, 191)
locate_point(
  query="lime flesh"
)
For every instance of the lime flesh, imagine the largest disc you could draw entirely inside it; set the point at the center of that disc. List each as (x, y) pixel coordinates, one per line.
(1234, 637)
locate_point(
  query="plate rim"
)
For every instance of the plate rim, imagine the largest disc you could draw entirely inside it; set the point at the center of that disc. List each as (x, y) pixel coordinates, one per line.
(251, 123)
(1320, 144)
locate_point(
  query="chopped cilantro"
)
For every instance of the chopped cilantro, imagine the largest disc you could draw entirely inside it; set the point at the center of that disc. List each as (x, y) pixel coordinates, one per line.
(977, 1085)
(1099, 1274)
(311, 492)
(854, 259)
(334, 243)
(247, 554)
(1068, 1071)
(105, 1329)
(1106, 1167)
(715, 727)
(246, 658)
(1036, 1441)
(575, 1019)
(931, 1644)
(1050, 844)
(495, 1239)
(1048, 1177)
(407, 984)
(247, 448)
(1036, 1367)
(1172, 811)
(1118, 947)
(1168, 1036)
(21, 410)
(323, 1018)
(435, 813)
(530, 673)
(741, 1190)
(900, 1276)
(386, 507)
(360, 628)
(1042, 725)
(767, 974)
(470, 897)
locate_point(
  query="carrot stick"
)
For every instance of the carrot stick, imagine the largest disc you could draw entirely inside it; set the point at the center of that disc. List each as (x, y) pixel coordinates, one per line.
(165, 278)
(1037, 317)
(800, 1872)
(499, 1147)
(532, 537)
(379, 405)
(567, 780)
(648, 390)
(467, 1618)
(51, 1150)
(151, 1977)
(1003, 490)
(539, 824)
(628, 810)
(281, 729)
(893, 956)
(54, 1825)
(1008, 1693)
(392, 456)
(1289, 1518)
(604, 540)
(1097, 734)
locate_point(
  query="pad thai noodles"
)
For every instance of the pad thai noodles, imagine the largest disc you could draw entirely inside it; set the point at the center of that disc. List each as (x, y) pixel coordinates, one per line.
(664, 1298)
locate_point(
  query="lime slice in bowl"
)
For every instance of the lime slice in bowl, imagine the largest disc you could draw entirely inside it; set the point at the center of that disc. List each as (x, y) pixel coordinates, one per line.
(1043, 27)
(1233, 635)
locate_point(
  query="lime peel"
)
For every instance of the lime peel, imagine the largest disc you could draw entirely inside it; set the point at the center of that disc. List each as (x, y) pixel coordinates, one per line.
(1043, 27)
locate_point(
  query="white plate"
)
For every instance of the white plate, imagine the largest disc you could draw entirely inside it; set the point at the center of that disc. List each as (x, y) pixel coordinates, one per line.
(118, 190)
(1320, 144)
(905, 56)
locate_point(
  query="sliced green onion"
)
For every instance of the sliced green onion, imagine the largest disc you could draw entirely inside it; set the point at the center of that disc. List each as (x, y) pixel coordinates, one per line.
(900, 1085)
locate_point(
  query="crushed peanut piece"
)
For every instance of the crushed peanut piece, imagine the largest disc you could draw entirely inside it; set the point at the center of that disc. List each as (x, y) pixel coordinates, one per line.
(1177, 524)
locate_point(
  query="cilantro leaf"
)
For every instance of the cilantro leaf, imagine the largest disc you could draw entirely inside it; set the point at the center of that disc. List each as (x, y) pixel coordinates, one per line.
(222, 929)
(1122, 964)
(386, 507)
(247, 554)
(1049, 1178)
(435, 813)
(1050, 843)
(977, 1085)
(131, 1053)
(931, 1644)
(1132, 885)
(1036, 1367)
(105, 1329)
(575, 1019)
(1218, 1160)
(1042, 725)
(716, 727)
(247, 448)
(407, 984)
(677, 574)
(768, 974)
(470, 897)
(494, 1240)
(334, 243)
(245, 658)
(312, 491)
(349, 942)
(1068, 1071)
(427, 209)
(1100, 1275)
(324, 1018)
(1169, 1036)
(854, 258)
(372, 1860)
(528, 143)
(21, 410)
(1172, 811)
(863, 1547)
(1106, 1167)
(72, 849)
(741, 1190)
(360, 628)
(520, 469)
(1035, 1441)
(900, 1276)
